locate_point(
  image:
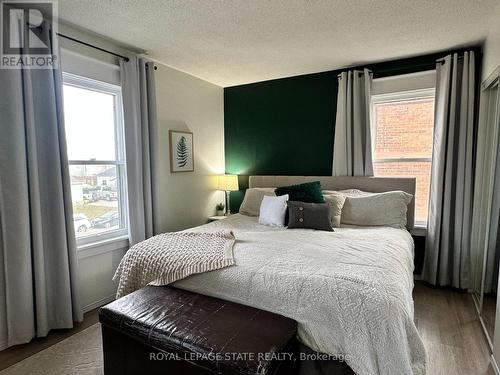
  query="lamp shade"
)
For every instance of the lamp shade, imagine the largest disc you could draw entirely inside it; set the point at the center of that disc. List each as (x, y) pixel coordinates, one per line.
(228, 182)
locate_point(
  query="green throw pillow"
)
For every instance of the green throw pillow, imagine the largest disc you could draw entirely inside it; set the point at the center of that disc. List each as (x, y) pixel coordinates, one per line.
(309, 192)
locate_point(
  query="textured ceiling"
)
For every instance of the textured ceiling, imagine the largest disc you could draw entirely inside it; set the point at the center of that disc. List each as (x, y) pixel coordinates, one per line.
(230, 42)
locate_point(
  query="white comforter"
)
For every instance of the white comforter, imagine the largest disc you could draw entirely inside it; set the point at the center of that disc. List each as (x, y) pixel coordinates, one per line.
(350, 290)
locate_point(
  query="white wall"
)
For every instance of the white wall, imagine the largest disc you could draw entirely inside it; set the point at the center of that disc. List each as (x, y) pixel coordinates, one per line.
(491, 52)
(188, 103)
(404, 82)
(97, 265)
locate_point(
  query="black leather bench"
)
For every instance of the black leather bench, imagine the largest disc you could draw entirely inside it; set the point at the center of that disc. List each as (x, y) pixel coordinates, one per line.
(164, 330)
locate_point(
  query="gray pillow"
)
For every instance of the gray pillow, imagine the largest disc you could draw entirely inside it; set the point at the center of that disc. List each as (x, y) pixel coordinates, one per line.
(253, 199)
(309, 215)
(336, 202)
(377, 209)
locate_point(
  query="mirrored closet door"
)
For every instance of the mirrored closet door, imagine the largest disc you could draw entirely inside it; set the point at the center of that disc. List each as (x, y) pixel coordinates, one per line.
(485, 245)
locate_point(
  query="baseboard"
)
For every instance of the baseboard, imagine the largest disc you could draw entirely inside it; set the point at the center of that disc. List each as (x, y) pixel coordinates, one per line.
(494, 365)
(99, 303)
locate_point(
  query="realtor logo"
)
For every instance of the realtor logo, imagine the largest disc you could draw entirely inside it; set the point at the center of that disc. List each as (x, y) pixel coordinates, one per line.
(29, 30)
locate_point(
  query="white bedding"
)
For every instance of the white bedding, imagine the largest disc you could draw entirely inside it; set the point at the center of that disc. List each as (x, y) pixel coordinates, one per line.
(350, 290)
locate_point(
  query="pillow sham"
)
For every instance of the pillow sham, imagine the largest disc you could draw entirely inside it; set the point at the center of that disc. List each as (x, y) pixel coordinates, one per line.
(273, 210)
(377, 209)
(346, 192)
(309, 192)
(252, 200)
(336, 202)
(309, 215)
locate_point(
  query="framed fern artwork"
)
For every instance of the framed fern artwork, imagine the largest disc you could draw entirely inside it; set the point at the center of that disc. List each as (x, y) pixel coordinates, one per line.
(181, 151)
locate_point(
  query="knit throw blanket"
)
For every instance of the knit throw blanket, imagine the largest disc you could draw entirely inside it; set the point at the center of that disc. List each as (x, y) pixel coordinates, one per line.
(169, 257)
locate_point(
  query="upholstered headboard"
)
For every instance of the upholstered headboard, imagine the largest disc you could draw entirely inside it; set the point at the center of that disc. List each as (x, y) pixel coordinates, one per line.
(372, 184)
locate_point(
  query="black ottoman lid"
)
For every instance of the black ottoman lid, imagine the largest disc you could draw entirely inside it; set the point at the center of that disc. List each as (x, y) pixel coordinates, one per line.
(218, 334)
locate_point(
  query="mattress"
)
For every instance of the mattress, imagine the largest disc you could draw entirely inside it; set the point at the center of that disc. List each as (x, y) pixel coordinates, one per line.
(349, 290)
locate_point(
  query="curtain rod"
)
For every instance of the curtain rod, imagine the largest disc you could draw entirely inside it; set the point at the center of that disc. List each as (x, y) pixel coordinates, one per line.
(442, 59)
(354, 70)
(95, 47)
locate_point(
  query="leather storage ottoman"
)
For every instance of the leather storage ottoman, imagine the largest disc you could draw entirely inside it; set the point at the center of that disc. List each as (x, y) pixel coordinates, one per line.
(164, 330)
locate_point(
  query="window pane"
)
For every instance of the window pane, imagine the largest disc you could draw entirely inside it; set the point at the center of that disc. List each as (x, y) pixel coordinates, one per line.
(89, 118)
(404, 129)
(420, 170)
(96, 199)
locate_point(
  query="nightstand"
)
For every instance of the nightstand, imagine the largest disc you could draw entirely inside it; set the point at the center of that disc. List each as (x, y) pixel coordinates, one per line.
(419, 233)
(217, 218)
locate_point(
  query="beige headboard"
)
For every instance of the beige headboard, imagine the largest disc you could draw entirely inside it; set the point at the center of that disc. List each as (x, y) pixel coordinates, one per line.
(372, 184)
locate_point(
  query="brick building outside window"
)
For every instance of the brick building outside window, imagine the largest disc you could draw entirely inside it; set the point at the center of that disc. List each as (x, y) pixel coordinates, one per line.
(402, 133)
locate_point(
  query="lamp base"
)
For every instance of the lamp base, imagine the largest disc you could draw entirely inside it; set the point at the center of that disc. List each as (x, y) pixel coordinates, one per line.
(228, 208)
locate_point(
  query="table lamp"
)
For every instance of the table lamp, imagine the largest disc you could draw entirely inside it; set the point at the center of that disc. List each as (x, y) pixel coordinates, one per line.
(228, 183)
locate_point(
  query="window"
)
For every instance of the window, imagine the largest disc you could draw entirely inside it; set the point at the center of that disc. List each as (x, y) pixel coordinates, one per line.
(96, 153)
(402, 131)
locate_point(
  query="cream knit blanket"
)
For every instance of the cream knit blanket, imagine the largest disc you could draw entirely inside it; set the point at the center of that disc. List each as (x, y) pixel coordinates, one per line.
(169, 257)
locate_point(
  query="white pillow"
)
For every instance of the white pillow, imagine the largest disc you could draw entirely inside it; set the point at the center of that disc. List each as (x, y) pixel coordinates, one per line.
(336, 202)
(376, 209)
(252, 200)
(273, 210)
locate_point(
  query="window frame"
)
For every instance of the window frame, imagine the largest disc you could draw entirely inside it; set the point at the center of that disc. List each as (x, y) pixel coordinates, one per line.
(85, 83)
(392, 97)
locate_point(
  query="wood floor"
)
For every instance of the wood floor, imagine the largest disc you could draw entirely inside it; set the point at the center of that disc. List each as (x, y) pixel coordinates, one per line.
(446, 319)
(450, 328)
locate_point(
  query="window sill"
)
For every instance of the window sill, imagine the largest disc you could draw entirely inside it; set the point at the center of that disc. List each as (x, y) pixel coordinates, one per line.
(419, 230)
(102, 247)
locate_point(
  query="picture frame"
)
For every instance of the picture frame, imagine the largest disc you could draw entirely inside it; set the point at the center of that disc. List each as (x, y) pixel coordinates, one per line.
(181, 145)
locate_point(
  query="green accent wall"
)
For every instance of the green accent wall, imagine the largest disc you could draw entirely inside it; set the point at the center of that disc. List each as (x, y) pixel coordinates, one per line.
(280, 127)
(286, 126)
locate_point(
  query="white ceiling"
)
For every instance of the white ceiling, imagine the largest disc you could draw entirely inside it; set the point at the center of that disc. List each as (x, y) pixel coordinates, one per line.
(230, 42)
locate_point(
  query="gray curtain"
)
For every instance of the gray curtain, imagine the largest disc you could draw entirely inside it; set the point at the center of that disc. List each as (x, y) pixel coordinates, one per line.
(352, 149)
(447, 255)
(139, 103)
(38, 265)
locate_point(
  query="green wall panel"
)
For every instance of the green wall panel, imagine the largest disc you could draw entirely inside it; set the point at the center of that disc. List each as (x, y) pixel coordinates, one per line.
(280, 127)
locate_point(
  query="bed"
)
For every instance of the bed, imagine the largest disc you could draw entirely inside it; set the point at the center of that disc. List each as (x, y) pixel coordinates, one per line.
(349, 290)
